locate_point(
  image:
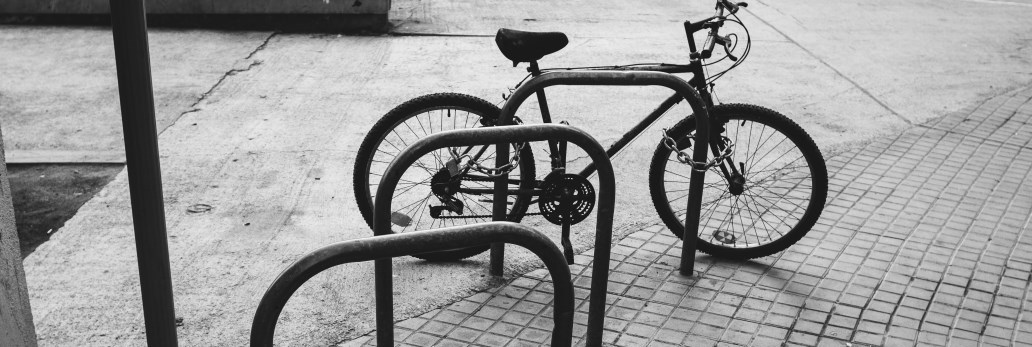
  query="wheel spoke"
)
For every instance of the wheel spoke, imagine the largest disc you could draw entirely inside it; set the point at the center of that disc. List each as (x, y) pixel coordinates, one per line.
(780, 184)
(414, 190)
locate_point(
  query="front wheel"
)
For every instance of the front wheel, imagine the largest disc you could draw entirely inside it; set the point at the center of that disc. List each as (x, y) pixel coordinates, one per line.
(761, 199)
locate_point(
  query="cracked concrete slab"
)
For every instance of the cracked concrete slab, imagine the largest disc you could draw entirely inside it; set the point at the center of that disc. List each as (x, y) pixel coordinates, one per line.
(59, 90)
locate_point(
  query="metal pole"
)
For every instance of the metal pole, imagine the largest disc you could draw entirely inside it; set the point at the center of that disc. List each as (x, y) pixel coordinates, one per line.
(132, 59)
(501, 188)
(690, 237)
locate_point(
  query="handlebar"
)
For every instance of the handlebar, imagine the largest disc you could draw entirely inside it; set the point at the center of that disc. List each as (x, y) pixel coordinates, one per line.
(713, 23)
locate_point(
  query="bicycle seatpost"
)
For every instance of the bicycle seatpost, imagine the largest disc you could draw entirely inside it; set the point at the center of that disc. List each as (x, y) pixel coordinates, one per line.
(533, 68)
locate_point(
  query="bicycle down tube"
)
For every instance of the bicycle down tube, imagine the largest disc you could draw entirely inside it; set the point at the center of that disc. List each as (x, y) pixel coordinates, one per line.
(618, 78)
(630, 135)
(698, 81)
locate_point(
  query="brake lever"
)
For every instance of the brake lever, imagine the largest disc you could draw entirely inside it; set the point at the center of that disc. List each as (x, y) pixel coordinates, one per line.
(727, 50)
(725, 42)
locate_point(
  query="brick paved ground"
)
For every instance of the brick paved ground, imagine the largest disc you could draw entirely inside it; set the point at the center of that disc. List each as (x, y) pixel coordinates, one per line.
(923, 242)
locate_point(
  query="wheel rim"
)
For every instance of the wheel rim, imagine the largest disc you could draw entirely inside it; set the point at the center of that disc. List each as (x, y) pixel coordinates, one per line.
(414, 197)
(777, 192)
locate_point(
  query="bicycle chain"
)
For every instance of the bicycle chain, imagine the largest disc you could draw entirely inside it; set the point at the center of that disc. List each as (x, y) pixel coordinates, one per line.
(684, 158)
(484, 216)
(491, 171)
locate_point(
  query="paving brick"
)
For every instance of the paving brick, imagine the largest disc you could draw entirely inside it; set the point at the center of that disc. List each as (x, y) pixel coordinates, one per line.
(534, 335)
(802, 338)
(421, 339)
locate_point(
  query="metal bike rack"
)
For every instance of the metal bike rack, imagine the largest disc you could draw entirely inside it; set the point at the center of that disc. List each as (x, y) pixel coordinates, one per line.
(537, 84)
(504, 135)
(383, 248)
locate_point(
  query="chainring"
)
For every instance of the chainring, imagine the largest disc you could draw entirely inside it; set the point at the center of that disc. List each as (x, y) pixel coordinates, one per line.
(566, 198)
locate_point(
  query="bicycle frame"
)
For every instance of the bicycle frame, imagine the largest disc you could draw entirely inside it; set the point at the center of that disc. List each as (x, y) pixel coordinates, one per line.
(695, 91)
(683, 89)
(697, 82)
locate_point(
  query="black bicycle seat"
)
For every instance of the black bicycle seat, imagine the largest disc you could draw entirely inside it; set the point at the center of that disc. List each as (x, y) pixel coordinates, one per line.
(527, 46)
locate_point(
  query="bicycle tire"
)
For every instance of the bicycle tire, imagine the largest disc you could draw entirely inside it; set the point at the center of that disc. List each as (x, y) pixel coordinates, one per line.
(374, 155)
(668, 184)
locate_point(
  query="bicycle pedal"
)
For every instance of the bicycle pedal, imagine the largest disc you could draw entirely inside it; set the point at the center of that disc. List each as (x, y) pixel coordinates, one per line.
(724, 237)
(400, 219)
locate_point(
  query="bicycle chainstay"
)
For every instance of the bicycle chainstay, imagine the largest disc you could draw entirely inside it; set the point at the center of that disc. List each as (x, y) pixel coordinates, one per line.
(466, 177)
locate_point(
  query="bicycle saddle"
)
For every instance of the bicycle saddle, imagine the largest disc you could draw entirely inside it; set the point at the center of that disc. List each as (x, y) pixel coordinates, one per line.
(527, 46)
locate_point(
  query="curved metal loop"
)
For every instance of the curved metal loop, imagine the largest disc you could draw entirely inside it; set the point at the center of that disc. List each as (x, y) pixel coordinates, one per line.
(493, 135)
(607, 78)
(503, 136)
(389, 246)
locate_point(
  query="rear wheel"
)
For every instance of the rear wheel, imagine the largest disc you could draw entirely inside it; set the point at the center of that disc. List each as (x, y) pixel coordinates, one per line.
(430, 194)
(770, 201)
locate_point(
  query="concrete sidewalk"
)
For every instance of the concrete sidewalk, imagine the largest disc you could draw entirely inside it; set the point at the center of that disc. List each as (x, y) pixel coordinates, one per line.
(926, 240)
(263, 127)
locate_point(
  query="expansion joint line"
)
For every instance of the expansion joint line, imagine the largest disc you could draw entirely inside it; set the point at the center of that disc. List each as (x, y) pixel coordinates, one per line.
(837, 72)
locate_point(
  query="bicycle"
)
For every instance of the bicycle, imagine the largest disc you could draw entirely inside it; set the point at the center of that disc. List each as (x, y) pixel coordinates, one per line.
(767, 189)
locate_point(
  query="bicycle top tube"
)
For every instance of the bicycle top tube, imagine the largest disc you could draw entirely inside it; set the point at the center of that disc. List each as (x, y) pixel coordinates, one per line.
(603, 78)
(656, 67)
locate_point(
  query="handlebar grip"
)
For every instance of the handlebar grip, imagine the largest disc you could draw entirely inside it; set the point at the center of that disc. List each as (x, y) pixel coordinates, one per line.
(727, 50)
(711, 38)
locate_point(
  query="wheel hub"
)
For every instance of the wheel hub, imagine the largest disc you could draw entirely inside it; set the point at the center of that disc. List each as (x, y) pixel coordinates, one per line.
(737, 184)
(443, 184)
(444, 187)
